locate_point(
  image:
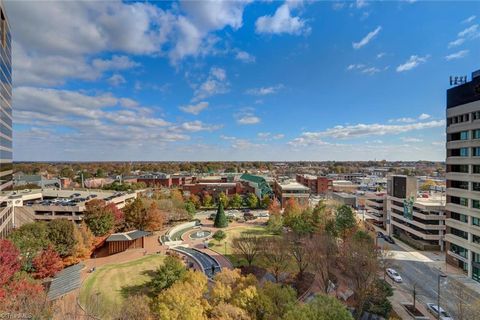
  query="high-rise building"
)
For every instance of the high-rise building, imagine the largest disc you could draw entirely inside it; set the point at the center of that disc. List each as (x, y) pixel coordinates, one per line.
(463, 177)
(6, 211)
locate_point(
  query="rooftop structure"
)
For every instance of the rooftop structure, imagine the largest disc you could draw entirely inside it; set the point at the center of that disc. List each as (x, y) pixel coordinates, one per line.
(260, 184)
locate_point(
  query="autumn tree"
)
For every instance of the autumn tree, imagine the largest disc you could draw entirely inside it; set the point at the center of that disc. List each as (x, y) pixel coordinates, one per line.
(47, 263)
(98, 218)
(155, 218)
(223, 198)
(252, 201)
(167, 274)
(9, 261)
(323, 250)
(265, 203)
(184, 299)
(247, 246)
(135, 215)
(274, 208)
(195, 200)
(118, 216)
(30, 239)
(344, 219)
(60, 233)
(219, 235)
(84, 244)
(292, 210)
(359, 259)
(274, 301)
(322, 307)
(207, 200)
(300, 252)
(236, 201)
(275, 254)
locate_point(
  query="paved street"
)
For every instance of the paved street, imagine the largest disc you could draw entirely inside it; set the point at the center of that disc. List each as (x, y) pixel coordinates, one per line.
(422, 268)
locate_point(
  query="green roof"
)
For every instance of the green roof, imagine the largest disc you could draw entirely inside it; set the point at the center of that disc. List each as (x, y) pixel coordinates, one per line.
(260, 181)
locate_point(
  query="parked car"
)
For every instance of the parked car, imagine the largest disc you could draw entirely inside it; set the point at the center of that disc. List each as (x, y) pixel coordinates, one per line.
(212, 216)
(433, 309)
(394, 275)
(264, 215)
(380, 234)
(389, 239)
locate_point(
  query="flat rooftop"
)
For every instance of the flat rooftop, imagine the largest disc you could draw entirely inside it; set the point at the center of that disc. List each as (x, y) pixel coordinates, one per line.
(436, 199)
(292, 185)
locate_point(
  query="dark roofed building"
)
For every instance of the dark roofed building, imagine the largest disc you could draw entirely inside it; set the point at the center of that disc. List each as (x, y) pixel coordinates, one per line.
(118, 242)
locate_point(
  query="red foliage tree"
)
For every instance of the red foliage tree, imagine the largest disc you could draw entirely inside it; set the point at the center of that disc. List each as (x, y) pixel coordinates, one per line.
(118, 215)
(9, 261)
(26, 296)
(47, 263)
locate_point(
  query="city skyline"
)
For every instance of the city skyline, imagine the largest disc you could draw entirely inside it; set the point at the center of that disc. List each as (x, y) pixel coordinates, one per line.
(237, 80)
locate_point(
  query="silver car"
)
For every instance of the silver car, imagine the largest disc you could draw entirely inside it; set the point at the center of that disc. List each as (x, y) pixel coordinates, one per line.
(433, 309)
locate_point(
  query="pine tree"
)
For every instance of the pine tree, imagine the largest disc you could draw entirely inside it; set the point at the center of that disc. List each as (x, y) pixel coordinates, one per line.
(220, 218)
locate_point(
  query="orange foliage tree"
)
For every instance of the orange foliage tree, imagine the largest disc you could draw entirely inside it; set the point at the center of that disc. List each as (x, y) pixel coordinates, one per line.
(155, 218)
(47, 263)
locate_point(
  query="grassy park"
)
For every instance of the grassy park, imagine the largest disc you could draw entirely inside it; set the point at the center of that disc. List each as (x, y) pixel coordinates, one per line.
(105, 289)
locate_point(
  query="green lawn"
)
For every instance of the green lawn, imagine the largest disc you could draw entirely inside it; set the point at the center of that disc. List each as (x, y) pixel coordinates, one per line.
(105, 289)
(234, 233)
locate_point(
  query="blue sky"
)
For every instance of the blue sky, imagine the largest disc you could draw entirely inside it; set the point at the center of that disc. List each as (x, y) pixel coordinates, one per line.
(237, 80)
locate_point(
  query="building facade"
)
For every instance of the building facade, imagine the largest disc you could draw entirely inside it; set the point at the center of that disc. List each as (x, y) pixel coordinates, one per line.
(317, 185)
(417, 219)
(375, 208)
(291, 190)
(7, 221)
(463, 177)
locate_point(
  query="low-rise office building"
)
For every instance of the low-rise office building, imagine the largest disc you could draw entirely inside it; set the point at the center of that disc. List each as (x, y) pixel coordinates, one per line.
(418, 219)
(291, 190)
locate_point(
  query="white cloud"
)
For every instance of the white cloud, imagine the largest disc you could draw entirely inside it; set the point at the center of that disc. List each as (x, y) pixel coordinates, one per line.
(411, 140)
(456, 43)
(413, 62)
(215, 83)
(263, 91)
(365, 69)
(457, 55)
(469, 19)
(369, 37)
(362, 130)
(197, 125)
(267, 136)
(471, 31)
(115, 63)
(371, 70)
(195, 108)
(424, 116)
(281, 22)
(381, 55)
(247, 119)
(245, 57)
(116, 80)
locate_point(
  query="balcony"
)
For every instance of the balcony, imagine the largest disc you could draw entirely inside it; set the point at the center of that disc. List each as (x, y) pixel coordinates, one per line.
(457, 240)
(375, 217)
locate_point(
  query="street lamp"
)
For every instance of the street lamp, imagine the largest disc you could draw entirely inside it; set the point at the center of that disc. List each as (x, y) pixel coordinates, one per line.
(440, 275)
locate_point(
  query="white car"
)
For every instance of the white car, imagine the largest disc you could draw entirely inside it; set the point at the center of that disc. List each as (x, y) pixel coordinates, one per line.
(433, 308)
(394, 275)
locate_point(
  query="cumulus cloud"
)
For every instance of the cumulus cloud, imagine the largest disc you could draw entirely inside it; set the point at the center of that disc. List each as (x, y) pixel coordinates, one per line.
(247, 118)
(369, 37)
(362, 130)
(267, 136)
(469, 32)
(195, 108)
(215, 83)
(197, 125)
(424, 116)
(411, 140)
(264, 91)
(282, 22)
(116, 80)
(469, 19)
(457, 55)
(245, 57)
(413, 62)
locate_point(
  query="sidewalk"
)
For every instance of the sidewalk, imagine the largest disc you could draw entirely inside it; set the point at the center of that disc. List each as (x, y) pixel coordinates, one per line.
(402, 297)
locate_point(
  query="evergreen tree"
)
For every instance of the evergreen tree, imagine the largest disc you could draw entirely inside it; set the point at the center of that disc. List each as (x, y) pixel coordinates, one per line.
(220, 218)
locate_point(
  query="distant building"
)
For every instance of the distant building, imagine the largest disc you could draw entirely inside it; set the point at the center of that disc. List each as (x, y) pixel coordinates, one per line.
(463, 177)
(375, 207)
(38, 180)
(344, 186)
(259, 184)
(50, 204)
(122, 241)
(164, 180)
(317, 185)
(291, 189)
(418, 219)
(345, 199)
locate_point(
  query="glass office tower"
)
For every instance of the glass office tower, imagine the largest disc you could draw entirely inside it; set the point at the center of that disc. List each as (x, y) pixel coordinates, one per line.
(5, 102)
